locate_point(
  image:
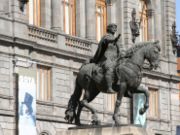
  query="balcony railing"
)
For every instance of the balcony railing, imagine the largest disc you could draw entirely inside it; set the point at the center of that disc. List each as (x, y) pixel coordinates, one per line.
(42, 34)
(78, 43)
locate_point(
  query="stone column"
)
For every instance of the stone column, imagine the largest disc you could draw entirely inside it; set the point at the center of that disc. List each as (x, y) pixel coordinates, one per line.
(170, 18)
(80, 18)
(91, 19)
(56, 15)
(46, 13)
(111, 13)
(150, 14)
(126, 17)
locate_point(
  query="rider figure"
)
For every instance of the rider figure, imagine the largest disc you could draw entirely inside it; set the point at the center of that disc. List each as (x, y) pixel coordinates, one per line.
(107, 54)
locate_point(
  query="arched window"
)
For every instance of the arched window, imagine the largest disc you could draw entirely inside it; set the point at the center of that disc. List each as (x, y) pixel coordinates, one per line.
(101, 15)
(34, 12)
(69, 16)
(143, 20)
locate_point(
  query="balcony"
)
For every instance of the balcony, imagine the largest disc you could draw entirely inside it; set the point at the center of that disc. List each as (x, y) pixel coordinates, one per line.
(78, 45)
(36, 33)
(74, 45)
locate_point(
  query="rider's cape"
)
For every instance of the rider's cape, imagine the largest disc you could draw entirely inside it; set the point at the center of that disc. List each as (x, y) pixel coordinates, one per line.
(102, 46)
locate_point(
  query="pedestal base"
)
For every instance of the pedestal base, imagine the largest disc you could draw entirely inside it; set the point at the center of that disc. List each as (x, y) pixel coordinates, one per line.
(107, 130)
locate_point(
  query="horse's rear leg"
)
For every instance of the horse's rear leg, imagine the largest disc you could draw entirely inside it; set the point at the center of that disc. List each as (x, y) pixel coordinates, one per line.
(77, 119)
(123, 88)
(88, 97)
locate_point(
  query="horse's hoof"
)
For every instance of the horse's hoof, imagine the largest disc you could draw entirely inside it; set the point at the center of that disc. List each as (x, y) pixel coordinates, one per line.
(77, 122)
(117, 123)
(96, 122)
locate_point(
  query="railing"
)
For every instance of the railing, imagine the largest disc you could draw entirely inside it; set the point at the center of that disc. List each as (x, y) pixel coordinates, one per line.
(78, 43)
(42, 34)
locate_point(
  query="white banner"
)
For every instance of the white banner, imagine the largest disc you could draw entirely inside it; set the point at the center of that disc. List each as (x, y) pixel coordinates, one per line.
(27, 102)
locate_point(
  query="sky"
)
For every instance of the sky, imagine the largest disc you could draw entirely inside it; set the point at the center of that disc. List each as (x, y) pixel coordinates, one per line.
(178, 16)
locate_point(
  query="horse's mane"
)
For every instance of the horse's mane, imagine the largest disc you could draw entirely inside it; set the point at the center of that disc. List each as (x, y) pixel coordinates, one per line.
(137, 46)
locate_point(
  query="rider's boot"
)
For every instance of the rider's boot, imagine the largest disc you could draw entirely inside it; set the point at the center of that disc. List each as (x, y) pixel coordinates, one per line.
(108, 77)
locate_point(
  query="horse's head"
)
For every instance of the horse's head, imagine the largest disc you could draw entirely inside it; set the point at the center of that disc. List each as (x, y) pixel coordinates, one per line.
(152, 54)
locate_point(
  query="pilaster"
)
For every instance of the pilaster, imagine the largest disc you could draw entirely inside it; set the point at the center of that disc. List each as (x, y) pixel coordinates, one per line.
(80, 18)
(56, 15)
(91, 19)
(46, 13)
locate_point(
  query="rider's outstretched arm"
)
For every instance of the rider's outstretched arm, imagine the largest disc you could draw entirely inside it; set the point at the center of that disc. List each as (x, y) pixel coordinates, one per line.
(111, 38)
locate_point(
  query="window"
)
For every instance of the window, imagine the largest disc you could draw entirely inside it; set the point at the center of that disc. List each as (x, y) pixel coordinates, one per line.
(110, 102)
(34, 12)
(153, 111)
(143, 20)
(43, 83)
(101, 15)
(69, 16)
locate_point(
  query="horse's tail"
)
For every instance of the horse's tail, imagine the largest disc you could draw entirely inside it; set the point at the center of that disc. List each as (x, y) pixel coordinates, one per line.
(70, 112)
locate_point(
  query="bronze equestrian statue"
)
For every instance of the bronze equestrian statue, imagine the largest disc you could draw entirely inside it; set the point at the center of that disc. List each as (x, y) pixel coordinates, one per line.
(126, 77)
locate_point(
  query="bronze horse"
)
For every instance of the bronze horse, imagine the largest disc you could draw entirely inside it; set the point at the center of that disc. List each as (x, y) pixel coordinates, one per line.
(127, 79)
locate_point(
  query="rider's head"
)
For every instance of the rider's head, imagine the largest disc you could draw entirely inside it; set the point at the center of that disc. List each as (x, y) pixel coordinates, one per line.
(112, 28)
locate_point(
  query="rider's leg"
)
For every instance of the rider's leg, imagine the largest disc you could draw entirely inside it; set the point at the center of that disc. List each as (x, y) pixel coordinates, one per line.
(109, 79)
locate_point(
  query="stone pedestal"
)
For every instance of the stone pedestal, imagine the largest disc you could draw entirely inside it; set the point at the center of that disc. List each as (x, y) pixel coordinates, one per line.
(107, 130)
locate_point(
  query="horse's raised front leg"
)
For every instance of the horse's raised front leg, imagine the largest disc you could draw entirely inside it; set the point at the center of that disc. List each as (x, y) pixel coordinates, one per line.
(144, 90)
(120, 95)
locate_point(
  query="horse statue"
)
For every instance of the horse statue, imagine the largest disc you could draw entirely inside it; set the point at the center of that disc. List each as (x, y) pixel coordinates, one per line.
(126, 81)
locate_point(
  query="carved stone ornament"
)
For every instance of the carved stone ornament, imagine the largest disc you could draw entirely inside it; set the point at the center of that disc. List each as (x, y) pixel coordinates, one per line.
(150, 13)
(22, 3)
(134, 25)
(174, 38)
(108, 2)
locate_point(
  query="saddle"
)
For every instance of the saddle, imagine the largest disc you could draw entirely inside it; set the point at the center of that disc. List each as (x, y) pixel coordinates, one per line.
(93, 71)
(96, 73)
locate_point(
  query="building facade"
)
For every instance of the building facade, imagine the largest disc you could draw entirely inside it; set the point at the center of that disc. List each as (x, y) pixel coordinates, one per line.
(55, 37)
